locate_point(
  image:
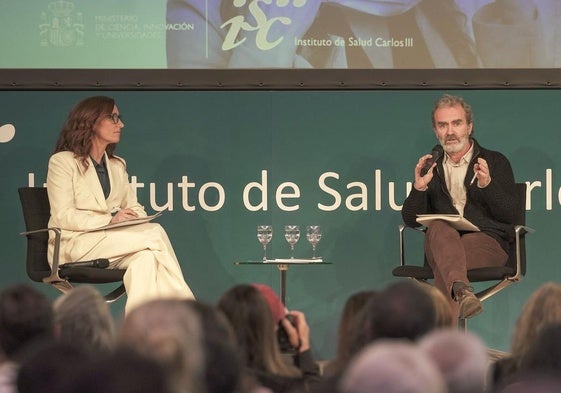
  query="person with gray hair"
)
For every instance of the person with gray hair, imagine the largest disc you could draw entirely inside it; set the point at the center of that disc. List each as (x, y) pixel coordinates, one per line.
(169, 332)
(463, 178)
(461, 357)
(83, 316)
(392, 366)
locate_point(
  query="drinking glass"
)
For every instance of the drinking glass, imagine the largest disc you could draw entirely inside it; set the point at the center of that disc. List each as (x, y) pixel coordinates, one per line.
(313, 234)
(264, 235)
(292, 235)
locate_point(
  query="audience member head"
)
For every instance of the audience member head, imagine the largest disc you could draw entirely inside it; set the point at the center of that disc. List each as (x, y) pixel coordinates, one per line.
(223, 368)
(83, 316)
(544, 357)
(392, 366)
(541, 309)
(50, 366)
(122, 371)
(278, 310)
(348, 332)
(214, 323)
(533, 384)
(26, 316)
(249, 314)
(281, 317)
(442, 308)
(402, 310)
(169, 332)
(461, 357)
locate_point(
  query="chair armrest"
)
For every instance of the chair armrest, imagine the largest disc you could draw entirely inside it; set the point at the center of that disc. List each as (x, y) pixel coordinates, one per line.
(523, 229)
(54, 268)
(402, 228)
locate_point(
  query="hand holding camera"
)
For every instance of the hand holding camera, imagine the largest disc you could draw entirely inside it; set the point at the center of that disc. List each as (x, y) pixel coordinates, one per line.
(294, 332)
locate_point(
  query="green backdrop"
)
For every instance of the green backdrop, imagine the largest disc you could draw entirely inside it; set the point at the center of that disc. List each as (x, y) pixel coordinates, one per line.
(359, 147)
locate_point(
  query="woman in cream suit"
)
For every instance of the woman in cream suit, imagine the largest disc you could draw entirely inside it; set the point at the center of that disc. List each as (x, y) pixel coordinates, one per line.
(88, 188)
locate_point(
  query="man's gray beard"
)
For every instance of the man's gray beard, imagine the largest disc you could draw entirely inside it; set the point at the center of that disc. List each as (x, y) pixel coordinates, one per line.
(455, 148)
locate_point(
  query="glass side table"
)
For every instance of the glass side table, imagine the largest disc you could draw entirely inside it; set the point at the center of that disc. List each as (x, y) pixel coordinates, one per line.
(283, 265)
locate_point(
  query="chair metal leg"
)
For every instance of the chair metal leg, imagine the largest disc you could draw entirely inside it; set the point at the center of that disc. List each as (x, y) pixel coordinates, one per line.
(63, 285)
(115, 294)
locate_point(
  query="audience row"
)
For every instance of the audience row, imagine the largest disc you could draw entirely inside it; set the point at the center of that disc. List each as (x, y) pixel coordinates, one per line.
(400, 339)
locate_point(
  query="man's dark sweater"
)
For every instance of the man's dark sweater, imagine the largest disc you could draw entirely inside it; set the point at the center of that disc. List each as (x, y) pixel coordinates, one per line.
(492, 209)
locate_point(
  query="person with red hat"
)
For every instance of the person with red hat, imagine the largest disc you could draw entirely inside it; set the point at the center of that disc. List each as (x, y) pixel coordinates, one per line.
(257, 315)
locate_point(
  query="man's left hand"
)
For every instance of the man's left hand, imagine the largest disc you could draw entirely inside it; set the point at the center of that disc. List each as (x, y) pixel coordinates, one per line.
(482, 172)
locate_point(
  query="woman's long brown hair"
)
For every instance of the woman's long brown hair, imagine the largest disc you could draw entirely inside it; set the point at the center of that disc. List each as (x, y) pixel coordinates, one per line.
(77, 132)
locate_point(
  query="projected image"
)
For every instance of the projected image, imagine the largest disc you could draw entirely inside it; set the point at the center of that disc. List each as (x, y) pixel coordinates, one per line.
(281, 34)
(362, 34)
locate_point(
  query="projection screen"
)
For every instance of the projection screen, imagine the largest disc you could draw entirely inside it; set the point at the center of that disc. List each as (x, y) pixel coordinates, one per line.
(280, 44)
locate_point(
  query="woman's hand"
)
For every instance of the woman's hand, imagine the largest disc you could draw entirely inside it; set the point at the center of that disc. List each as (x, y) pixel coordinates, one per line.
(123, 215)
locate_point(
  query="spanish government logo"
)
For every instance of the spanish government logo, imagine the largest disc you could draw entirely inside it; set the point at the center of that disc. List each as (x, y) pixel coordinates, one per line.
(61, 26)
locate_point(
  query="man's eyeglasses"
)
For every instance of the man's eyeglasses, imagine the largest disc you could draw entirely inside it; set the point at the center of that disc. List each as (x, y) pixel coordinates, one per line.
(115, 118)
